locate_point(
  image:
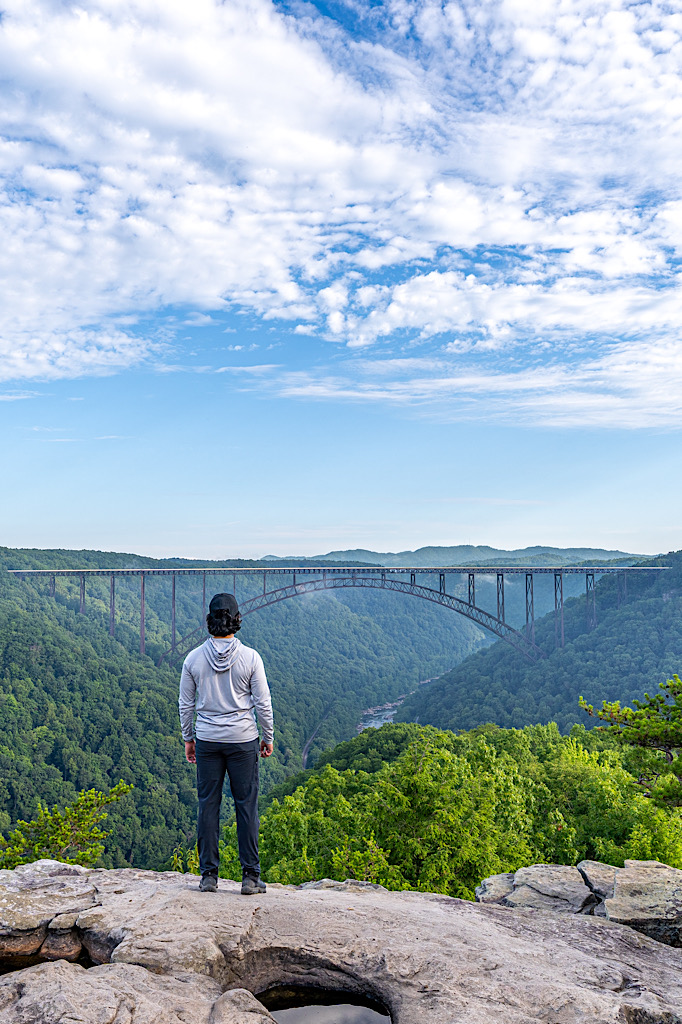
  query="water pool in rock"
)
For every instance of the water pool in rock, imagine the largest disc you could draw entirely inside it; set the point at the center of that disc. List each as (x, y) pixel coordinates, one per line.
(309, 1005)
(341, 1013)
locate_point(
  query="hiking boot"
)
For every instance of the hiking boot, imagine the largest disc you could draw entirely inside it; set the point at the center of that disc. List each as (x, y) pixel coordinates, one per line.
(252, 885)
(208, 883)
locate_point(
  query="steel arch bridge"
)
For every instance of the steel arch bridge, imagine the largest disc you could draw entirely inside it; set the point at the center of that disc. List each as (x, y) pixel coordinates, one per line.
(309, 578)
(471, 611)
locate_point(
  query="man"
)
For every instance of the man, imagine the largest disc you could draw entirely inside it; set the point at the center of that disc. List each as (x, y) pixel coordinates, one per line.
(224, 681)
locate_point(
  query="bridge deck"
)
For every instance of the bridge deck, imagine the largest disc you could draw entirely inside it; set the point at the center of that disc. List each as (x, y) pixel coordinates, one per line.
(345, 570)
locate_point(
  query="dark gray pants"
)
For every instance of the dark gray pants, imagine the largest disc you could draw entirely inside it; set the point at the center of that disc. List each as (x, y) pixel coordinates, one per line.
(240, 761)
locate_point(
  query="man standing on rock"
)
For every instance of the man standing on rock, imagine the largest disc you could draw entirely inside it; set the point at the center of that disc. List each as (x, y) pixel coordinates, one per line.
(224, 682)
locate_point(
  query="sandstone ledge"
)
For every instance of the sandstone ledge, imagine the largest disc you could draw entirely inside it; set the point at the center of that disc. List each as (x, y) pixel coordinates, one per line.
(169, 954)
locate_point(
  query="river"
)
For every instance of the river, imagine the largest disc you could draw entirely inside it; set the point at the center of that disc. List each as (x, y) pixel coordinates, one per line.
(374, 718)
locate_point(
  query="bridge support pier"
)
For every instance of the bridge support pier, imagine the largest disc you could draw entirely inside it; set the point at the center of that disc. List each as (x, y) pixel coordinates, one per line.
(622, 588)
(472, 589)
(112, 609)
(530, 608)
(173, 613)
(559, 609)
(142, 637)
(203, 603)
(500, 596)
(441, 583)
(81, 603)
(53, 586)
(591, 607)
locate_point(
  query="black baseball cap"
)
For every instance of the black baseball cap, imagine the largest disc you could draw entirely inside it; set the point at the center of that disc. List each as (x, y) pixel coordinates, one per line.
(224, 603)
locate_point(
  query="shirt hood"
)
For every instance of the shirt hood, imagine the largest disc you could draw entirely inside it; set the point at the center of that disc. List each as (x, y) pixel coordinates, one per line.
(221, 653)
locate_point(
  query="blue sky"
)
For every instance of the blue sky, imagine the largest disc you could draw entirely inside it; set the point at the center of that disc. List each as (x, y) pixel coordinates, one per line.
(293, 277)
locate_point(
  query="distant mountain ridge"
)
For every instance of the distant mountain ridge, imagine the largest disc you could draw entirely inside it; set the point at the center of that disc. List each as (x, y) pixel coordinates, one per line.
(469, 554)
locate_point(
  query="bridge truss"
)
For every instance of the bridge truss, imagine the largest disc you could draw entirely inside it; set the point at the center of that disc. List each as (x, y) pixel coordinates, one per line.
(309, 579)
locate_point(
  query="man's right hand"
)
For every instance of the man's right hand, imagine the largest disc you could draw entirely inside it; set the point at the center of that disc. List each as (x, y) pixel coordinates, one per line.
(191, 751)
(266, 748)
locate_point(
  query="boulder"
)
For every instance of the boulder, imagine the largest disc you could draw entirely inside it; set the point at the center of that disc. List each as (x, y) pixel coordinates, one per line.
(648, 896)
(46, 869)
(55, 992)
(350, 883)
(31, 897)
(239, 1006)
(61, 945)
(495, 888)
(601, 878)
(554, 887)
(169, 953)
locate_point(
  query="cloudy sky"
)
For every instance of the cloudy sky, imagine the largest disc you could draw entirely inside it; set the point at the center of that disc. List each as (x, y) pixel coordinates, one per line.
(295, 276)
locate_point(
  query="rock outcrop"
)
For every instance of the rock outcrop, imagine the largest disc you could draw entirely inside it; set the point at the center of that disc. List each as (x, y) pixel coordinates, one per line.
(39, 906)
(554, 887)
(645, 894)
(67, 992)
(164, 953)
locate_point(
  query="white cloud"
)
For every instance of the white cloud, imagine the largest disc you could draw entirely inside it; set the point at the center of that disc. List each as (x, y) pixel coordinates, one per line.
(28, 350)
(198, 320)
(628, 387)
(496, 176)
(584, 307)
(258, 369)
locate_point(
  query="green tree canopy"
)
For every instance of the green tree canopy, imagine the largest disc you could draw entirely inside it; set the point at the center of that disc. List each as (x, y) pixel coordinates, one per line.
(449, 810)
(654, 726)
(72, 835)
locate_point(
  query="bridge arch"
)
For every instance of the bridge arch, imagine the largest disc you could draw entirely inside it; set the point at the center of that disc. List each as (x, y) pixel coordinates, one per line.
(478, 615)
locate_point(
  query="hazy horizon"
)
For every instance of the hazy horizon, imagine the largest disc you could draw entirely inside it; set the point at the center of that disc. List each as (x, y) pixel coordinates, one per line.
(229, 555)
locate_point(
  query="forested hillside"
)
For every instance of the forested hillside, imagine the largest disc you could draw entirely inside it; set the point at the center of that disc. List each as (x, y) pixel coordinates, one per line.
(636, 645)
(79, 709)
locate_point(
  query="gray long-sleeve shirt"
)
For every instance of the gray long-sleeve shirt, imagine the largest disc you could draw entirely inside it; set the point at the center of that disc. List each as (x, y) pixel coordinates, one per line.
(224, 681)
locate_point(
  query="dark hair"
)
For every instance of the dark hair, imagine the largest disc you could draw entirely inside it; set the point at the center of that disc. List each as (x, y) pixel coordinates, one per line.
(221, 623)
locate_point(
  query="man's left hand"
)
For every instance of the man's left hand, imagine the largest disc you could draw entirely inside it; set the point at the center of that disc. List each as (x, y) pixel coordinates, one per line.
(266, 748)
(191, 751)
